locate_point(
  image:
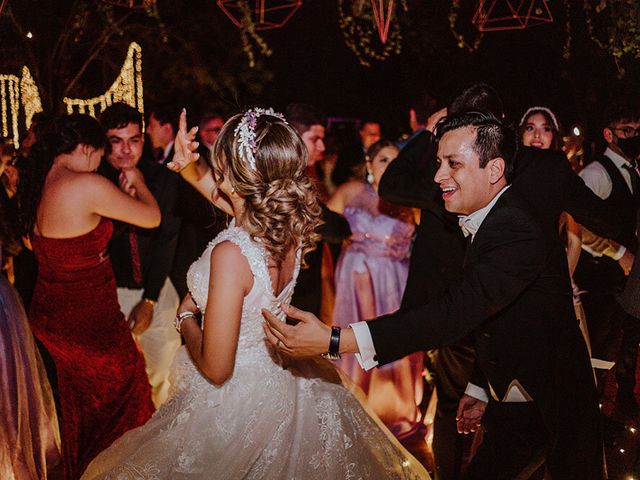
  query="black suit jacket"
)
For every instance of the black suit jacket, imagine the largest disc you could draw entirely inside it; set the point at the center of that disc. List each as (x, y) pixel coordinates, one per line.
(545, 182)
(156, 246)
(512, 301)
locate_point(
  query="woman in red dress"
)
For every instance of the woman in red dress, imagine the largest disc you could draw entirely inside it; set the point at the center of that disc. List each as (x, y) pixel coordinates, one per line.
(102, 385)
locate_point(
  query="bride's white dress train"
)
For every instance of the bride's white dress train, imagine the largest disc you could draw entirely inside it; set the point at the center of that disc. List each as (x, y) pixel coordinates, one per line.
(275, 418)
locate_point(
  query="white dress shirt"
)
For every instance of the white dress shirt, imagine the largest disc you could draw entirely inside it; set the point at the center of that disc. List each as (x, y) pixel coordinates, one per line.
(597, 178)
(470, 225)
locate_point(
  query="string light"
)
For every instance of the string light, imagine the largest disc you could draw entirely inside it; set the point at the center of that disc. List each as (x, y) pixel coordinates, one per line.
(126, 88)
(30, 96)
(10, 98)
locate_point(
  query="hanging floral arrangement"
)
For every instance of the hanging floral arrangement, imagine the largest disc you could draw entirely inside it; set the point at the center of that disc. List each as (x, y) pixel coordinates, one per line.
(368, 29)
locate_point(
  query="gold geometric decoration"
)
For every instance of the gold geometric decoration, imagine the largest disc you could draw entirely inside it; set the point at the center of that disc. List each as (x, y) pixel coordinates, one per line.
(126, 88)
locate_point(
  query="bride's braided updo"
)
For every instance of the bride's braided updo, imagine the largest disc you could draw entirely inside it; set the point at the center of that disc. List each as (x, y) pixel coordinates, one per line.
(265, 161)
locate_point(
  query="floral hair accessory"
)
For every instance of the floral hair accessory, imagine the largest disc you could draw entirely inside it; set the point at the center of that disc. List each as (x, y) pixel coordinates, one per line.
(540, 109)
(246, 132)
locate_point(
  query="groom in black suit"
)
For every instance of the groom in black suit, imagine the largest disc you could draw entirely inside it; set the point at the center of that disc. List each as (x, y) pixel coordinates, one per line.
(532, 372)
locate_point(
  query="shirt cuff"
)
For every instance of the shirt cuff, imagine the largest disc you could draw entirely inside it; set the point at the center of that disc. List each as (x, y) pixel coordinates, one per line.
(620, 253)
(476, 392)
(367, 356)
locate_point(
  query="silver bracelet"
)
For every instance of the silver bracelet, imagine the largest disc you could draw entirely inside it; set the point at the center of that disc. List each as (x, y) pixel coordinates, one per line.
(180, 318)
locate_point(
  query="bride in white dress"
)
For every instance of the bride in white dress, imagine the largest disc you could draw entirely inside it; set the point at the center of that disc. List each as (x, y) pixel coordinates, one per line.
(237, 410)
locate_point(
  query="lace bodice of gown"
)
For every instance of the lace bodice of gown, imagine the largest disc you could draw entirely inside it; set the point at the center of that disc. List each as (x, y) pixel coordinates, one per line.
(251, 341)
(374, 232)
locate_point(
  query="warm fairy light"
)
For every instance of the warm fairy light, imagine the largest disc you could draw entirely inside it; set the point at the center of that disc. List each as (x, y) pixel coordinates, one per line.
(29, 35)
(127, 88)
(576, 131)
(30, 96)
(632, 430)
(622, 450)
(10, 108)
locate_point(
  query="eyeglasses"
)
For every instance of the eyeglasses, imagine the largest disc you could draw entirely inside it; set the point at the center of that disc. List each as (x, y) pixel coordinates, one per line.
(629, 132)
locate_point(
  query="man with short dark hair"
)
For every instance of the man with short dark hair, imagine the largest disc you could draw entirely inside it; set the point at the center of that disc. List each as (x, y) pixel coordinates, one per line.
(511, 298)
(142, 258)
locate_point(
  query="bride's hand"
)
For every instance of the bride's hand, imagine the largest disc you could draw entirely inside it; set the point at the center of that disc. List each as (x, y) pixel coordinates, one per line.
(185, 146)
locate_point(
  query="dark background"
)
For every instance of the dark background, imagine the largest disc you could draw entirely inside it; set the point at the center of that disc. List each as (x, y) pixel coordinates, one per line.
(192, 55)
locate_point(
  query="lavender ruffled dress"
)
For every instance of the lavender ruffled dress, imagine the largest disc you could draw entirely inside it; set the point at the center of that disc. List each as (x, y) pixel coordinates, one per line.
(380, 246)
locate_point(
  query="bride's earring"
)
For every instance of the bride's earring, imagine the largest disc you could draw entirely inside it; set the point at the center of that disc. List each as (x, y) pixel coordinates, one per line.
(369, 177)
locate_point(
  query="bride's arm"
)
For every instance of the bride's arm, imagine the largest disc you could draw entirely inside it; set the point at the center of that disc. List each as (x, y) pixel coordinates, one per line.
(193, 167)
(213, 349)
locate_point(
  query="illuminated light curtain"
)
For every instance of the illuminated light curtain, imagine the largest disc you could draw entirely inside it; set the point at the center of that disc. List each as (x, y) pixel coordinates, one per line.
(263, 14)
(495, 15)
(127, 88)
(10, 108)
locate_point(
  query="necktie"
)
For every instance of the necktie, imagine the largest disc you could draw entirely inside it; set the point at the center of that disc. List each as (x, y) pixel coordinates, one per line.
(633, 173)
(135, 256)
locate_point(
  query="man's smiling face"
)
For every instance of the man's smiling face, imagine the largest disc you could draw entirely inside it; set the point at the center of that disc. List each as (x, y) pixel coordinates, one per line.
(465, 186)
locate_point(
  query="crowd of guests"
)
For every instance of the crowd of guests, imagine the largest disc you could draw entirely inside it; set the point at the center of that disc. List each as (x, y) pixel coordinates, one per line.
(98, 235)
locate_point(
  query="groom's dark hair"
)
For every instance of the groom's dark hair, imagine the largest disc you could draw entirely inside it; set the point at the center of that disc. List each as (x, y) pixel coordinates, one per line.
(493, 138)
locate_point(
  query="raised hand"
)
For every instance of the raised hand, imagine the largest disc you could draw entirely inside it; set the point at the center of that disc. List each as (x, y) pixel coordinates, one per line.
(469, 414)
(185, 146)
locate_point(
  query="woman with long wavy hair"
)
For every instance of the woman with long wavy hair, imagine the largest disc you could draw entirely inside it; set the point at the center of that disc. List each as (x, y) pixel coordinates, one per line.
(99, 374)
(237, 409)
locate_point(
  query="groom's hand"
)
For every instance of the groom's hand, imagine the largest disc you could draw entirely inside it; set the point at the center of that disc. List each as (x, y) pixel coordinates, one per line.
(469, 415)
(310, 337)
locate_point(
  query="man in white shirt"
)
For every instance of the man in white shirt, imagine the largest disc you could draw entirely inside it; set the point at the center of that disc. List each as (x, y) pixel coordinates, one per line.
(605, 263)
(511, 299)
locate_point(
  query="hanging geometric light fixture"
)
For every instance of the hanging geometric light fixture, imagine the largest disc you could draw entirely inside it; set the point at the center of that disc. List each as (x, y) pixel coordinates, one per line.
(382, 18)
(495, 15)
(357, 19)
(131, 3)
(262, 14)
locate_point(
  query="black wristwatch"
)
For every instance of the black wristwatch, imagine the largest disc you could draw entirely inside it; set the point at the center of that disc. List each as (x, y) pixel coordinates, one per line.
(334, 345)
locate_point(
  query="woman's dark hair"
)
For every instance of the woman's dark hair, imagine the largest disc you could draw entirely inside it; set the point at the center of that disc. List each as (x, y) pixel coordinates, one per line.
(61, 135)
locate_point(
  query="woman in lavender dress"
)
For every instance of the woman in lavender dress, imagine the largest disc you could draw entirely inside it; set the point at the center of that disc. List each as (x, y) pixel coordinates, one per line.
(370, 278)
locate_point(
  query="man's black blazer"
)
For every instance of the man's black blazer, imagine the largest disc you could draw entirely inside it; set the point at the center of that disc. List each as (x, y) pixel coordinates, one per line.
(543, 178)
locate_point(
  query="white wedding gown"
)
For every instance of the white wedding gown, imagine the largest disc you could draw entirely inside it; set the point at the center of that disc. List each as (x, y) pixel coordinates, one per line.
(273, 419)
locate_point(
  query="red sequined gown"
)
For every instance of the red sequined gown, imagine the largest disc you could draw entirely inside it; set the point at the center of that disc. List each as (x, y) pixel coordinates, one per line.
(102, 384)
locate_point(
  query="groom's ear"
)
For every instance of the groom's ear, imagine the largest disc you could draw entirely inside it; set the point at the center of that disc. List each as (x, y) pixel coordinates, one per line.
(496, 169)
